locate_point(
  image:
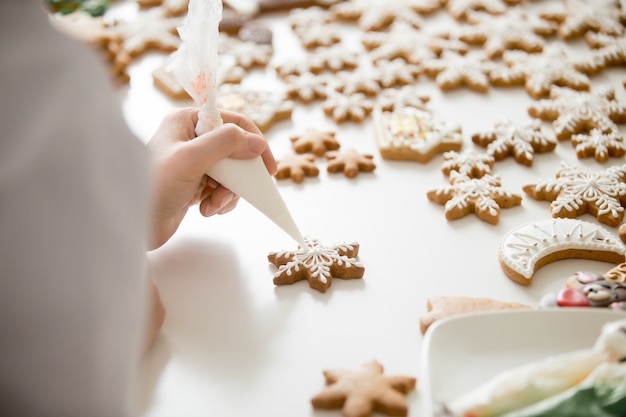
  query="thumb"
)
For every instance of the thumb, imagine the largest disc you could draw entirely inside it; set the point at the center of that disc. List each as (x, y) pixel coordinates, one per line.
(227, 141)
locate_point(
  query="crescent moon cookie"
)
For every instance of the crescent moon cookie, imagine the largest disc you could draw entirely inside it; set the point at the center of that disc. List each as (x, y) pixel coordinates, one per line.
(529, 247)
(575, 192)
(411, 134)
(317, 263)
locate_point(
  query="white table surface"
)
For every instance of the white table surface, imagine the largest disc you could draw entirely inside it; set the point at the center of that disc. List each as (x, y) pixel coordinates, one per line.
(233, 344)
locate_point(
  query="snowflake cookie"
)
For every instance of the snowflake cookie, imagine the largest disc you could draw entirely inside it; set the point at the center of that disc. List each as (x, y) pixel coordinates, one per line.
(606, 51)
(460, 8)
(579, 17)
(376, 15)
(575, 192)
(539, 72)
(348, 107)
(364, 392)
(471, 163)
(575, 112)
(521, 141)
(350, 162)
(600, 145)
(317, 263)
(315, 141)
(452, 70)
(411, 134)
(296, 166)
(484, 196)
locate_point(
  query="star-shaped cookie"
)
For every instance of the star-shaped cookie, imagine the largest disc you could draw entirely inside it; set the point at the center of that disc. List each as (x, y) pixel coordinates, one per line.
(574, 192)
(363, 392)
(452, 70)
(600, 145)
(578, 17)
(575, 112)
(522, 141)
(315, 141)
(471, 163)
(350, 162)
(296, 166)
(484, 196)
(317, 264)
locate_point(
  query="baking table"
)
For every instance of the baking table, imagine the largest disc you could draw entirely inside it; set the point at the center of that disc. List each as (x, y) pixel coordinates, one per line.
(234, 344)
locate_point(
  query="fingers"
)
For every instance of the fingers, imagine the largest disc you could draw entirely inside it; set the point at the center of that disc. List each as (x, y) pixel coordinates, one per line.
(177, 126)
(218, 200)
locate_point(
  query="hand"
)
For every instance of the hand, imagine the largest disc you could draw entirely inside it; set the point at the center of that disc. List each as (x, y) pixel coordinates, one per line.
(181, 161)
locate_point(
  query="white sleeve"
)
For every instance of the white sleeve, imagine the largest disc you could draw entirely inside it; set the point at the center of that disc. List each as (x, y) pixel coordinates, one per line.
(73, 224)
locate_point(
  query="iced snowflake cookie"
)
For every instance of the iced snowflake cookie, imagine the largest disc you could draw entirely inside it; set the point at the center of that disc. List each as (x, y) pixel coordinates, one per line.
(607, 51)
(401, 41)
(452, 70)
(460, 8)
(581, 16)
(278, 5)
(307, 87)
(471, 163)
(527, 248)
(411, 134)
(574, 192)
(315, 141)
(575, 112)
(296, 166)
(390, 99)
(247, 54)
(517, 29)
(396, 72)
(317, 263)
(538, 73)
(263, 107)
(599, 145)
(350, 162)
(376, 15)
(441, 307)
(364, 392)
(334, 58)
(348, 107)
(483, 196)
(522, 141)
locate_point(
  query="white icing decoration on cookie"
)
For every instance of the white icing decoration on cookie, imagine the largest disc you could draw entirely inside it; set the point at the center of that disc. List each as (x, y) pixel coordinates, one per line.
(525, 246)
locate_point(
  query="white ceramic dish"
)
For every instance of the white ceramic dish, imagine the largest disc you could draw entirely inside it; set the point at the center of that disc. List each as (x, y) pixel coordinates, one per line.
(460, 353)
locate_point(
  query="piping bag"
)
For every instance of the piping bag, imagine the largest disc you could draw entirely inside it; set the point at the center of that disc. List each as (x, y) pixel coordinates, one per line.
(195, 66)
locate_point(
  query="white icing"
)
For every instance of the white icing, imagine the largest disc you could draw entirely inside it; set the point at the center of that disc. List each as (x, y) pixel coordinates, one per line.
(612, 340)
(522, 248)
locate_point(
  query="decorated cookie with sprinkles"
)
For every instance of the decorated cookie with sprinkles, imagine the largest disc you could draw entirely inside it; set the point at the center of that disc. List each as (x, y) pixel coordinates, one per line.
(538, 73)
(517, 29)
(573, 112)
(578, 17)
(376, 15)
(350, 162)
(521, 141)
(469, 162)
(317, 263)
(412, 134)
(574, 192)
(297, 167)
(364, 392)
(452, 70)
(599, 145)
(264, 108)
(482, 196)
(527, 248)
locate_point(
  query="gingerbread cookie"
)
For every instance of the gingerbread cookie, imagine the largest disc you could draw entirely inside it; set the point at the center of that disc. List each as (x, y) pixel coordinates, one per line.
(538, 73)
(334, 59)
(315, 141)
(150, 29)
(317, 263)
(408, 133)
(364, 392)
(263, 107)
(442, 307)
(452, 70)
(581, 16)
(529, 247)
(350, 162)
(390, 99)
(257, 33)
(401, 41)
(364, 81)
(396, 72)
(460, 8)
(607, 51)
(522, 141)
(312, 37)
(483, 196)
(575, 112)
(307, 87)
(373, 15)
(622, 232)
(471, 163)
(352, 107)
(517, 29)
(575, 192)
(266, 6)
(246, 54)
(296, 167)
(599, 145)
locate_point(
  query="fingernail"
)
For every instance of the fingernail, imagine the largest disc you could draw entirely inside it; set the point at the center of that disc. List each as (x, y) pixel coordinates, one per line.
(227, 199)
(256, 144)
